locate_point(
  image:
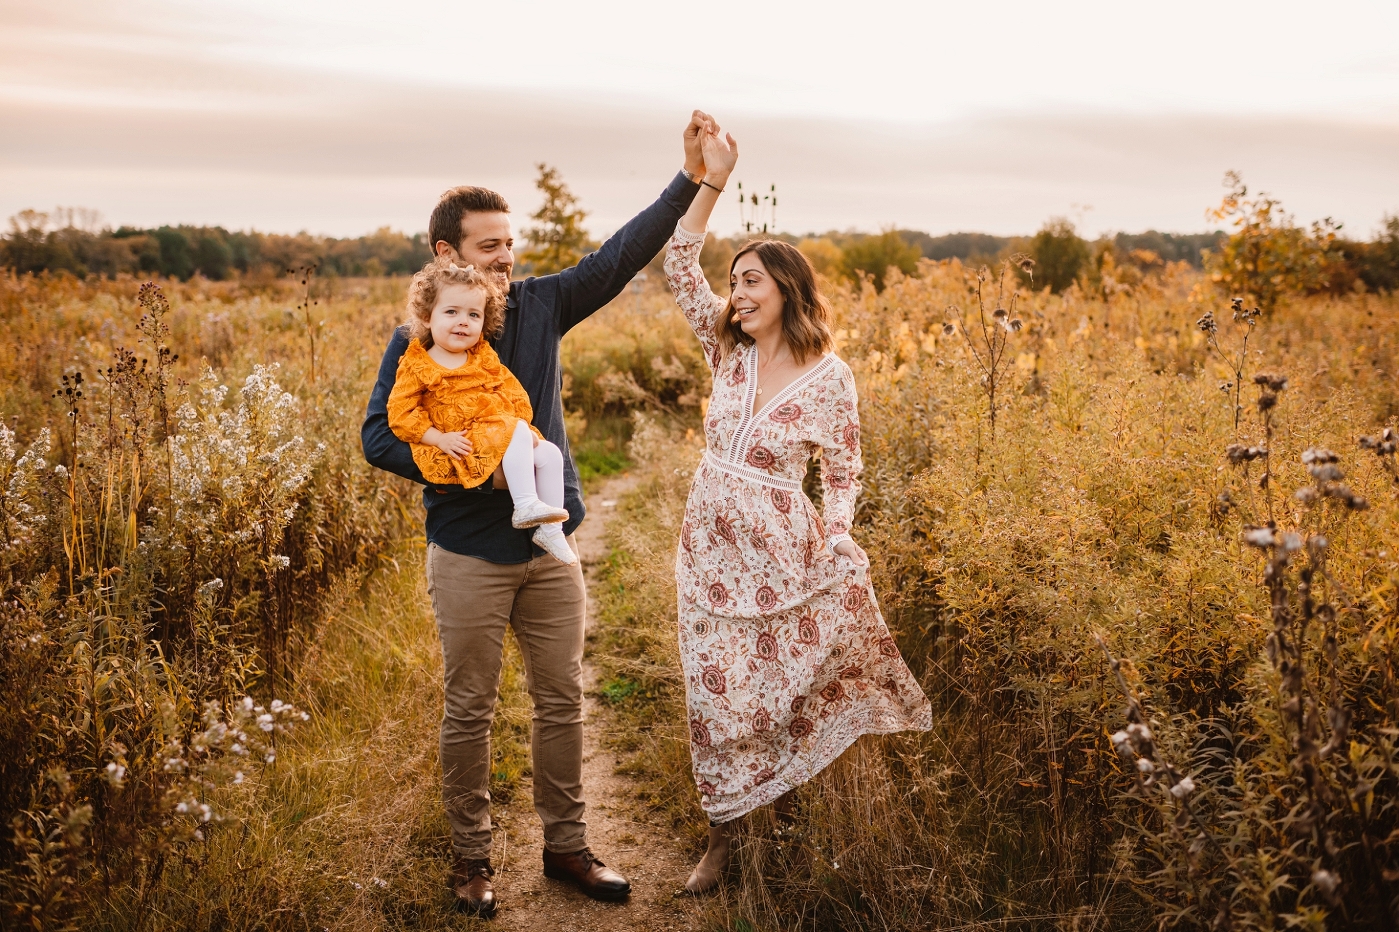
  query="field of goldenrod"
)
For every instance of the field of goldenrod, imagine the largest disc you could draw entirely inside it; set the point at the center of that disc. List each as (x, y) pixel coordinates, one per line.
(1155, 608)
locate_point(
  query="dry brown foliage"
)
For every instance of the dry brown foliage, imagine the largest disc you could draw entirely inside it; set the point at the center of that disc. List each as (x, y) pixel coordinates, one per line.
(1115, 501)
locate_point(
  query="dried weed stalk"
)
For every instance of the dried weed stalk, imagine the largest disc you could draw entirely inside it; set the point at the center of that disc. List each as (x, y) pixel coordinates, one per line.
(988, 339)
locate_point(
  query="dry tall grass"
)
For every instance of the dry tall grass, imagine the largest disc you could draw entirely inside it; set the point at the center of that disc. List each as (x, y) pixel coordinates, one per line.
(172, 545)
(1107, 504)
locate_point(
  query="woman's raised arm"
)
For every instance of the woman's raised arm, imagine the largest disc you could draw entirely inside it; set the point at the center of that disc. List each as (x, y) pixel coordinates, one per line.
(720, 157)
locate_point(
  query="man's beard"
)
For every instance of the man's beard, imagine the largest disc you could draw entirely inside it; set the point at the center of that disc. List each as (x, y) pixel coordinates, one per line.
(501, 272)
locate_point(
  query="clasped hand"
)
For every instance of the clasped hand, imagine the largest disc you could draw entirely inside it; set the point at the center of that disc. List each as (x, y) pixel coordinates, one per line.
(454, 444)
(720, 154)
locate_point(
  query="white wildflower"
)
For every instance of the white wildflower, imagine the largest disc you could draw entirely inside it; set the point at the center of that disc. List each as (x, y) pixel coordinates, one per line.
(1144, 765)
(1259, 537)
(1325, 881)
(264, 721)
(1119, 739)
(1184, 788)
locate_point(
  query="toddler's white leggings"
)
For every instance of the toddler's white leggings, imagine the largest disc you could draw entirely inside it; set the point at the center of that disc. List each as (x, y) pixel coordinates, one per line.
(533, 471)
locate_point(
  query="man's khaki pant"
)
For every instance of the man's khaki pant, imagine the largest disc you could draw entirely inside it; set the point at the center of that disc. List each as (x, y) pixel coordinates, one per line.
(544, 602)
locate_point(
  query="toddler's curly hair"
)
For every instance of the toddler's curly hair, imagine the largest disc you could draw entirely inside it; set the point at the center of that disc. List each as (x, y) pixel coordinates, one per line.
(428, 284)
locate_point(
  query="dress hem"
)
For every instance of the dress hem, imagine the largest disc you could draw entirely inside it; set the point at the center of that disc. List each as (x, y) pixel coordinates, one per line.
(777, 786)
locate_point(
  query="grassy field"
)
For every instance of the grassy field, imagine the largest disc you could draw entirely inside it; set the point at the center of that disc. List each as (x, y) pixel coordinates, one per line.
(1107, 504)
(198, 545)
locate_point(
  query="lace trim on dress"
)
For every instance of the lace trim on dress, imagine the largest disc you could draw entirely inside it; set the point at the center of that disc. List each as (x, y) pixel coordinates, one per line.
(748, 423)
(751, 474)
(685, 236)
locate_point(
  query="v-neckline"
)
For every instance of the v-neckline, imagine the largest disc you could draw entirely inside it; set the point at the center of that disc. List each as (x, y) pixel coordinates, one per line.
(748, 418)
(751, 396)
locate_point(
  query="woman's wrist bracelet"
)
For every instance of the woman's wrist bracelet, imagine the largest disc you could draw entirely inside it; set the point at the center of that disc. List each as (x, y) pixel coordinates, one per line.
(708, 185)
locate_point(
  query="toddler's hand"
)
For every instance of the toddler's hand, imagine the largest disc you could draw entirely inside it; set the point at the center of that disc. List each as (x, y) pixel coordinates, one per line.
(454, 444)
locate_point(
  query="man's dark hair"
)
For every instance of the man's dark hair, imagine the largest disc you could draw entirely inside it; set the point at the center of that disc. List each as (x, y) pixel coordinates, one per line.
(445, 223)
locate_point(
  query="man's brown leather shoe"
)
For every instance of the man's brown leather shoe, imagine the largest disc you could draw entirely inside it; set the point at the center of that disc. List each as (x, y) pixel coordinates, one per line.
(471, 882)
(587, 873)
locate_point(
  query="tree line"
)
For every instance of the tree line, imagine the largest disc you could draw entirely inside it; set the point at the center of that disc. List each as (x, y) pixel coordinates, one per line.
(1267, 256)
(68, 241)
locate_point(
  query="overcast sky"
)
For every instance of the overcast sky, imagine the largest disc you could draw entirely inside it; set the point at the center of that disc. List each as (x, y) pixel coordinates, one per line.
(342, 117)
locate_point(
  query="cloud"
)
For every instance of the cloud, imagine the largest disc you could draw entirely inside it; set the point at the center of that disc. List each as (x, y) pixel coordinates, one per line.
(152, 127)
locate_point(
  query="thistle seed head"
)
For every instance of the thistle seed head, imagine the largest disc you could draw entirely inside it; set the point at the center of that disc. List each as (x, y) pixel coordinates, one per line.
(1326, 882)
(1384, 445)
(1183, 788)
(1326, 472)
(1260, 537)
(1241, 453)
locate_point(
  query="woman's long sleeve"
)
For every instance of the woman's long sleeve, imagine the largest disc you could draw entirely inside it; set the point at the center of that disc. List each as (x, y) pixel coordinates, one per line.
(700, 305)
(407, 418)
(841, 463)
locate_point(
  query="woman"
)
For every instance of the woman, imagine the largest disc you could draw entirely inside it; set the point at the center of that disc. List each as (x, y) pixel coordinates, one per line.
(787, 660)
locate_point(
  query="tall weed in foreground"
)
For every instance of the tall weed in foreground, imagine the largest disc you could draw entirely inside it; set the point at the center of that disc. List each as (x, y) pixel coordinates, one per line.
(1112, 504)
(165, 543)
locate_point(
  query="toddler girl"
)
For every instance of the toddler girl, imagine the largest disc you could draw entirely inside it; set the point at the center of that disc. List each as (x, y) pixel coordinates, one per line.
(464, 413)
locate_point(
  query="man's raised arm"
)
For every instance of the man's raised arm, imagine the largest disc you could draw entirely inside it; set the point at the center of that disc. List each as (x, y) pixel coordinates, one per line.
(602, 275)
(381, 447)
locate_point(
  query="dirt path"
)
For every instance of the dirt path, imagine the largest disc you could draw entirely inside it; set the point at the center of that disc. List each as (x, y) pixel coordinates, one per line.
(650, 859)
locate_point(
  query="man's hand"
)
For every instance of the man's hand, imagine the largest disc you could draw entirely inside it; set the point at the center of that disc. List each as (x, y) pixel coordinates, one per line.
(454, 444)
(700, 124)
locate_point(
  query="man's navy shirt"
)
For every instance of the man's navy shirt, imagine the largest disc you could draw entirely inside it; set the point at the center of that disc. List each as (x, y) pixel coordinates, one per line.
(476, 522)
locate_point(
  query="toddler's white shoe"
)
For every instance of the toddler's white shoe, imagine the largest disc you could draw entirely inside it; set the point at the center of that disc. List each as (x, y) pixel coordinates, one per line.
(536, 513)
(550, 537)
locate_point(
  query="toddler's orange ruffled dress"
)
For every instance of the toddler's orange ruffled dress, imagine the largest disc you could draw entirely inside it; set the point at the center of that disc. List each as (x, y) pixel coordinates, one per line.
(482, 398)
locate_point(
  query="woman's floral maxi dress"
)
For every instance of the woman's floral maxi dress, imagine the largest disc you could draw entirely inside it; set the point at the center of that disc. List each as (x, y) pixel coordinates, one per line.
(787, 660)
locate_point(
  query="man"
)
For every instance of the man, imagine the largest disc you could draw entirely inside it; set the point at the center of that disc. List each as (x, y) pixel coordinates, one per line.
(484, 575)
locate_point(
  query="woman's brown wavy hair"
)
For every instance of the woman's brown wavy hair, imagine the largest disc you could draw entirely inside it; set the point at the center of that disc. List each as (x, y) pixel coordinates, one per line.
(806, 314)
(427, 284)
